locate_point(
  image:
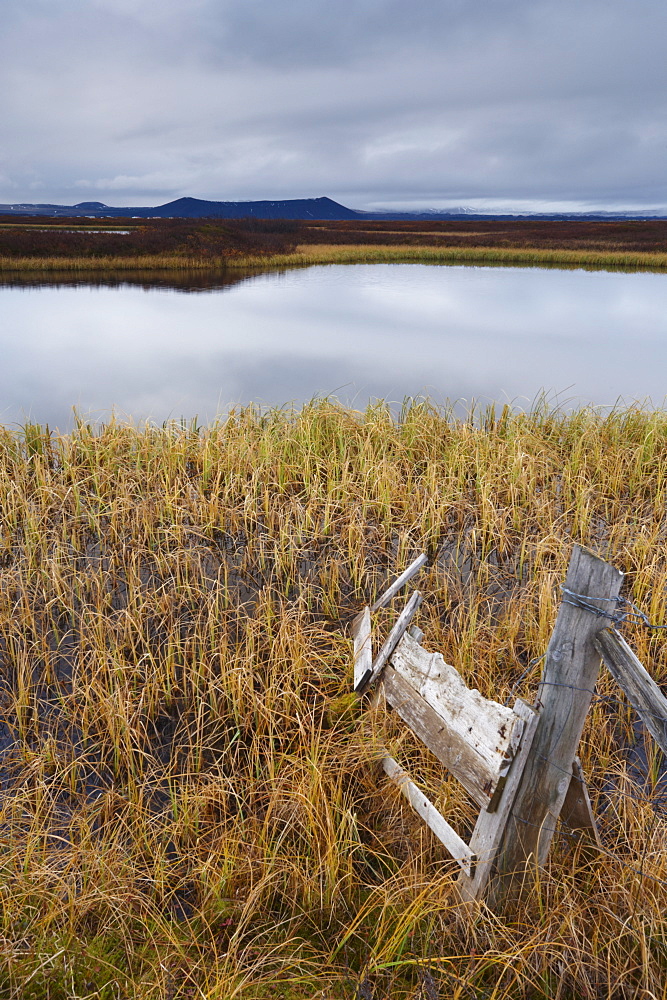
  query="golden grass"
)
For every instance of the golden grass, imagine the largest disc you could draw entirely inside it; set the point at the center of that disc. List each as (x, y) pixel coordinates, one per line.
(191, 804)
(320, 253)
(136, 263)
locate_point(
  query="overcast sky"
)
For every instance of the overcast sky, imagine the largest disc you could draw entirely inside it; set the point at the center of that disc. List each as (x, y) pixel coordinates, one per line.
(429, 103)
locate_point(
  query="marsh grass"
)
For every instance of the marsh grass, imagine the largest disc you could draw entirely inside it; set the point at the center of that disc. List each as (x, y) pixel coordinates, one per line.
(319, 253)
(117, 262)
(192, 805)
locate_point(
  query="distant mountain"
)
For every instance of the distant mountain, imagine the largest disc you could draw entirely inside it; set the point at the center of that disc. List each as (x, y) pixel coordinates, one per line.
(324, 209)
(196, 208)
(297, 208)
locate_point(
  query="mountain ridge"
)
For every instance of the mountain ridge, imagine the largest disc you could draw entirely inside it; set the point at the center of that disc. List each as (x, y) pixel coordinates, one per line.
(322, 208)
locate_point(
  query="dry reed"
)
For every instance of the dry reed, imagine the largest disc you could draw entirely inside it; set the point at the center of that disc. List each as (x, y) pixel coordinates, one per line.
(316, 253)
(191, 803)
(171, 261)
(336, 253)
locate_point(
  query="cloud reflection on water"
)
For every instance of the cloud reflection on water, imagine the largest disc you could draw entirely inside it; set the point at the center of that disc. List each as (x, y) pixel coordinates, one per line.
(359, 331)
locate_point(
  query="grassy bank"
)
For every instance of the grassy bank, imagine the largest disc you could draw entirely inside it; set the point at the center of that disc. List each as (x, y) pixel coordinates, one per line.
(191, 806)
(117, 262)
(318, 253)
(47, 244)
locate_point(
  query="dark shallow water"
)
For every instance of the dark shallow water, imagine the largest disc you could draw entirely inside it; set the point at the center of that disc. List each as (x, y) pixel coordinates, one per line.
(165, 346)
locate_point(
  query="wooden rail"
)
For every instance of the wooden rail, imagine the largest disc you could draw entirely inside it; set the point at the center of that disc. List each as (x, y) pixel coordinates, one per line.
(400, 582)
(642, 691)
(436, 822)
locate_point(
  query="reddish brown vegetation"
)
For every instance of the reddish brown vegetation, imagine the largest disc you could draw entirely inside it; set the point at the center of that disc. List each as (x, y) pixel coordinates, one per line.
(647, 236)
(45, 237)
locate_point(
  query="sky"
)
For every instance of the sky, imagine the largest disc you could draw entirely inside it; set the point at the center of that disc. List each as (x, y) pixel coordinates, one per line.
(380, 104)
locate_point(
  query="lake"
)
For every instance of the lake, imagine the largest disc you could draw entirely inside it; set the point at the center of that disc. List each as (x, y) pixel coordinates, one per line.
(171, 346)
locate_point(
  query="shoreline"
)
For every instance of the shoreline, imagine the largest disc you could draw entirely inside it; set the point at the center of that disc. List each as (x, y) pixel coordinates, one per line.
(319, 254)
(310, 254)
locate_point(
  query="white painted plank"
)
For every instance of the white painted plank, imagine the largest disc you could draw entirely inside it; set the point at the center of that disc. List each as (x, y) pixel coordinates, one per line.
(451, 749)
(400, 582)
(363, 652)
(391, 642)
(487, 733)
(490, 827)
(435, 821)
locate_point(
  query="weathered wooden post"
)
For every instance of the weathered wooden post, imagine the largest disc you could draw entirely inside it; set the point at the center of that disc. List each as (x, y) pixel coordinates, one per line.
(568, 680)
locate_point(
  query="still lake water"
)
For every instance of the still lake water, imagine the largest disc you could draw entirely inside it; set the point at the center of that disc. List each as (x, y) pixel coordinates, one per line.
(153, 350)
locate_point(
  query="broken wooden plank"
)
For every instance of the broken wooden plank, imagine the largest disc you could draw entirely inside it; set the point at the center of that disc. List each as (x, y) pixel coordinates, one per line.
(390, 643)
(490, 827)
(431, 729)
(400, 582)
(577, 812)
(642, 691)
(435, 821)
(363, 652)
(570, 672)
(477, 738)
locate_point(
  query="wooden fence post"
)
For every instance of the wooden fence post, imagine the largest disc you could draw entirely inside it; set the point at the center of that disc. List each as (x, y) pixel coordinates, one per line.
(570, 672)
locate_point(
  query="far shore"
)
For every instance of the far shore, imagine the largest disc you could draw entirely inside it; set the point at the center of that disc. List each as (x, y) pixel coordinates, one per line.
(319, 253)
(230, 244)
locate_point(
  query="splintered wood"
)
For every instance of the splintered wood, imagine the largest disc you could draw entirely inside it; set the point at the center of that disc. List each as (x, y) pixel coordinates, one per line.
(490, 827)
(363, 653)
(396, 634)
(473, 737)
(365, 674)
(477, 740)
(483, 744)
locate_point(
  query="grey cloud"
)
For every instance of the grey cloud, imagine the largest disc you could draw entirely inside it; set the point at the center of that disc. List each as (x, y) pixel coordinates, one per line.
(317, 32)
(364, 100)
